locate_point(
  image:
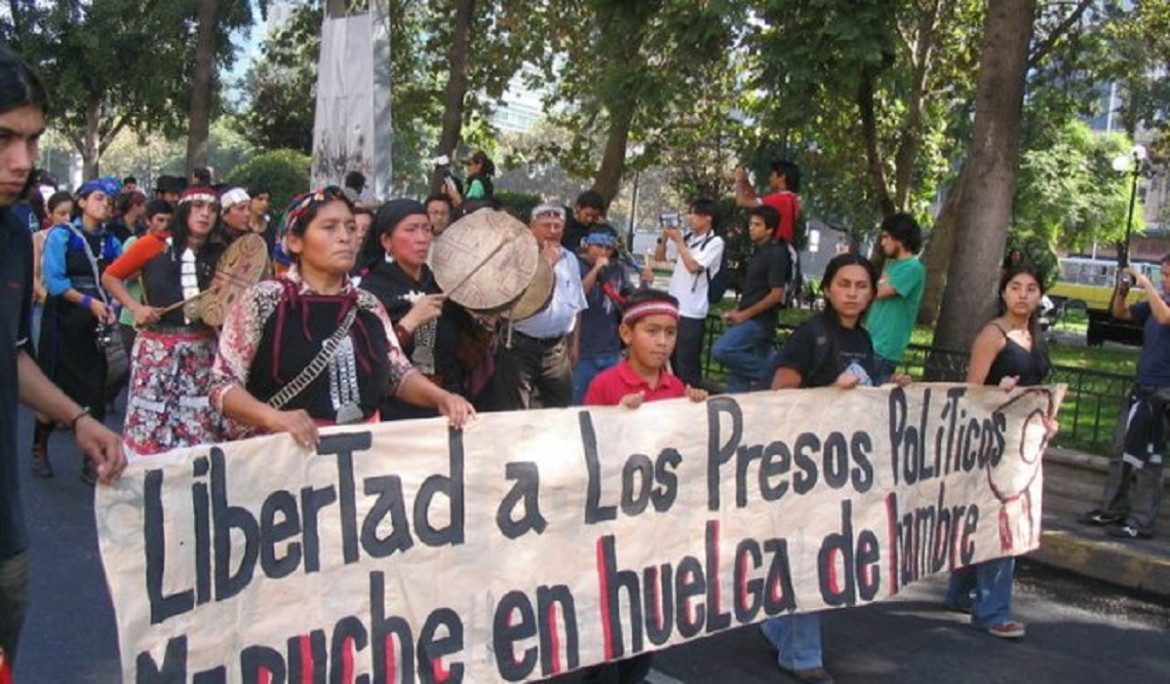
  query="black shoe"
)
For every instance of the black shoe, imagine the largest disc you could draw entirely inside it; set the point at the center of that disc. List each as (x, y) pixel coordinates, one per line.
(88, 474)
(1127, 531)
(1099, 517)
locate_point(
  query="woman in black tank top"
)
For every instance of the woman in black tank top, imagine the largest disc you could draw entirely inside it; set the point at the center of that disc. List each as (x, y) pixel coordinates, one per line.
(1008, 352)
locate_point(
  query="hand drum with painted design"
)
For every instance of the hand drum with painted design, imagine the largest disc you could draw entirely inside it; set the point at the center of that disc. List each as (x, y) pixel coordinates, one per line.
(243, 265)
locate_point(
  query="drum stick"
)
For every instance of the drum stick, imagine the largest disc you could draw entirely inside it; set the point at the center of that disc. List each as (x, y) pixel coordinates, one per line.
(167, 309)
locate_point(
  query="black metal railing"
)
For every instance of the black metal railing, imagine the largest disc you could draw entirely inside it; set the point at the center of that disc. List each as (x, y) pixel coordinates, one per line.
(1088, 416)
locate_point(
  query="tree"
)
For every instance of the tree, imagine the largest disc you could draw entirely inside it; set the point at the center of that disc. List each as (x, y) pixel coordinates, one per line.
(985, 207)
(458, 73)
(1067, 192)
(286, 172)
(281, 85)
(214, 22)
(636, 87)
(102, 63)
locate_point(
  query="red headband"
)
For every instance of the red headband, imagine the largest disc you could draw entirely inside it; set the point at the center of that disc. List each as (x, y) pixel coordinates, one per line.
(651, 308)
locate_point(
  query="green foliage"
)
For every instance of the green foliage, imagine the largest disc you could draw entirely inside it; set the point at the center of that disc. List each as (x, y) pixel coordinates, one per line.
(657, 72)
(1067, 192)
(518, 204)
(281, 86)
(285, 171)
(115, 64)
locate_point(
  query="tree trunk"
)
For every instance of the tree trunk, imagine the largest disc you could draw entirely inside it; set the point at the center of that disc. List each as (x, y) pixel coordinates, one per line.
(90, 156)
(873, 156)
(459, 71)
(985, 205)
(632, 19)
(939, 250)
(200, 114)
(613, 160)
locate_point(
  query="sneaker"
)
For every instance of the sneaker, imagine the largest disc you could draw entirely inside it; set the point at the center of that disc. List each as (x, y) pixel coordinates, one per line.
(962, 607)
(1128, 531)
(818, 675)
(1099, 517)
(1007, 630)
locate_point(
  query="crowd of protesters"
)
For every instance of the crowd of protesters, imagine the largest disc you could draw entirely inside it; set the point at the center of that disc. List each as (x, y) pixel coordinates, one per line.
(351, 326)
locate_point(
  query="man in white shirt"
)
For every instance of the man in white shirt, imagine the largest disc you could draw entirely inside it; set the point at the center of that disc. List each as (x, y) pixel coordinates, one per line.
(541, 357)
(700, 253)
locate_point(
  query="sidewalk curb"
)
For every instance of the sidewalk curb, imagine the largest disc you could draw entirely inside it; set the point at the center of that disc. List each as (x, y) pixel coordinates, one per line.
(1073, 481)
(1107, 561)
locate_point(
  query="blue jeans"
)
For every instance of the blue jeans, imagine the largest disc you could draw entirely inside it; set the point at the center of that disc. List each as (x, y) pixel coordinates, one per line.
(797, 640)
(748, 351)
(987, 588)
(586, 370)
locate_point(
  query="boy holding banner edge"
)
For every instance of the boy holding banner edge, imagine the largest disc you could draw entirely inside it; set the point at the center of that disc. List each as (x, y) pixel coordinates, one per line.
(649, 328)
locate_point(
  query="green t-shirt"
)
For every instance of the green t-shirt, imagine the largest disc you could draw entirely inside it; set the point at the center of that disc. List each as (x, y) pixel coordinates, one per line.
(891, 320)
(134, 287)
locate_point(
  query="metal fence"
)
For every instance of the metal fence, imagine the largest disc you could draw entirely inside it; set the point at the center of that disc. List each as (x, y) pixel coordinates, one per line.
(1087, 417)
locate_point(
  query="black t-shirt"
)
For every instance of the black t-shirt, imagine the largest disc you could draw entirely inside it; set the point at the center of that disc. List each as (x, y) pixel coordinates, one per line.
(15, 309)
(767, 269)
(820, 350)
(575, 233)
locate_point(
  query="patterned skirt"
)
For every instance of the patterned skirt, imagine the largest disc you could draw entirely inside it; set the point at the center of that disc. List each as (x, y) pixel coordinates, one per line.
(167, 406)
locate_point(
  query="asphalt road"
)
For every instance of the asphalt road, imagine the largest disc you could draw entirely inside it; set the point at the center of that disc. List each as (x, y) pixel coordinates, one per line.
(1078, 630)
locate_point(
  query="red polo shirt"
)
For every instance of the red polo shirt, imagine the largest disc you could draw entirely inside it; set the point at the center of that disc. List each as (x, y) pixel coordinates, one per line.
(608, 388)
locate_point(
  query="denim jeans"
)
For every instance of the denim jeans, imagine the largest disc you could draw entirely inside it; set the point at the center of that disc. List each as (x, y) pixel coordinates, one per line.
(987, 588)
(586, 370)
(748, 351)
(797, 640)
(13, 601)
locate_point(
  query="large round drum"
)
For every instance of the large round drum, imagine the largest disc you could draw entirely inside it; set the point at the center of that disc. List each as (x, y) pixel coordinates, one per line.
(485, 260)
(242, 265)
(535, 297)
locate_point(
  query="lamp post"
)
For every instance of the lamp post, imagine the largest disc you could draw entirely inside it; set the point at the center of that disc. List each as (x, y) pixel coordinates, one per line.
(636, 150)
(1134, 164)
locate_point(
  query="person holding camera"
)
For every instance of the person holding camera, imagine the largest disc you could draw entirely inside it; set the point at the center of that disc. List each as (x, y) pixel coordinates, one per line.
(700, 252)
(78, 318)
(1133, 488)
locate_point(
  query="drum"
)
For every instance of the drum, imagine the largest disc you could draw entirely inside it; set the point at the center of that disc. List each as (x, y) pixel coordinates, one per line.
(486, 260)
(244, 264)
(535, 297)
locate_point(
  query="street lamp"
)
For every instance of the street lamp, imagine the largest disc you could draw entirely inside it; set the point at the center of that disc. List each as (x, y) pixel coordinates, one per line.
(636, 151)
(1134, 164)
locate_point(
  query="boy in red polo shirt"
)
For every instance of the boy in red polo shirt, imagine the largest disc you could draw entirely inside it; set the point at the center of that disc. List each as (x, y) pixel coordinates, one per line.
(649, 327)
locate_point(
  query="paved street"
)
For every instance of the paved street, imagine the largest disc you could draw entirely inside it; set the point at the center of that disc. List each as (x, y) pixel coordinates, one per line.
(1078, 631)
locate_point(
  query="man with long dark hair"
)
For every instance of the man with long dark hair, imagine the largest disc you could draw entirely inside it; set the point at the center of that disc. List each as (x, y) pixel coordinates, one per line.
(23, 102)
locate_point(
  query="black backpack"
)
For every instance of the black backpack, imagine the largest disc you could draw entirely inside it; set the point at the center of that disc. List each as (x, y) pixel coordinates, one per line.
(719, 281)
(794, 282)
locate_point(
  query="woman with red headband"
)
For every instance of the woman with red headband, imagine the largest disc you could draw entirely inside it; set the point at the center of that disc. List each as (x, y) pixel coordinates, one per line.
(167, 406)
(309, 349)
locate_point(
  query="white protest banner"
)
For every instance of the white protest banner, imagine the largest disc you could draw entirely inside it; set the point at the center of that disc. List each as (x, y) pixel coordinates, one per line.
(533, 543)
